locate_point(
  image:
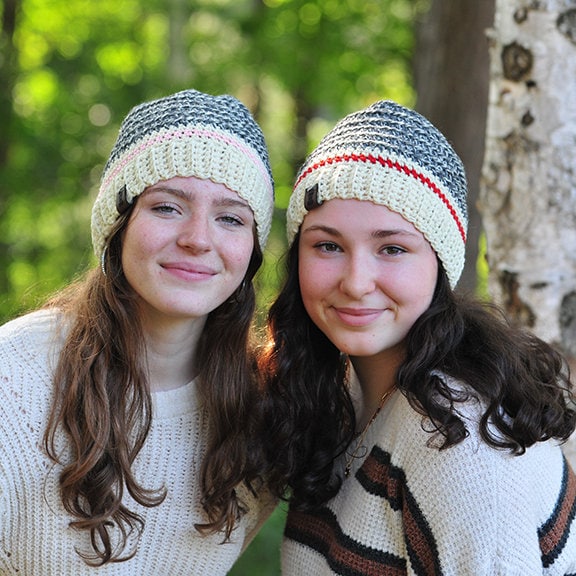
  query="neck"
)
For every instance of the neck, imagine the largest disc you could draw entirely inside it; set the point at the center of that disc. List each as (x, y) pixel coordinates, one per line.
(377, 377)
(170, 352)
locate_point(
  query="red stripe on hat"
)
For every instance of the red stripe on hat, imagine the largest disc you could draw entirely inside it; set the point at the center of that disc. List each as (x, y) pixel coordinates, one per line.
(394, 165)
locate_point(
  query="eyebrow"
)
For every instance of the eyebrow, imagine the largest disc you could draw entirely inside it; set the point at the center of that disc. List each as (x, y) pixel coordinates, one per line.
(379, 234)
(219, 201)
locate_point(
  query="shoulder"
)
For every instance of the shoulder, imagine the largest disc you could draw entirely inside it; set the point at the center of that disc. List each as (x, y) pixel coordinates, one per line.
(29, 347)
(34, 322)
(471, 470)
(31, 330)
(28, 354)
(497, 504)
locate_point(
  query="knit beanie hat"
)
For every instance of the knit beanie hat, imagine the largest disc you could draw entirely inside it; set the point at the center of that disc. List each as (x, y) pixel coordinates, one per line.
(186, 134)
(392, 156)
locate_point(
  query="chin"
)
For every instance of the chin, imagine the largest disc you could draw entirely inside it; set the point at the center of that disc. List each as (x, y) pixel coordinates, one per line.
(368, 349)
(359, 351)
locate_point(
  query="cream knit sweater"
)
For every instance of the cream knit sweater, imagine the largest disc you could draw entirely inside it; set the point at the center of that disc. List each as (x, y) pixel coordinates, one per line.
(35, 537)
(410, 509)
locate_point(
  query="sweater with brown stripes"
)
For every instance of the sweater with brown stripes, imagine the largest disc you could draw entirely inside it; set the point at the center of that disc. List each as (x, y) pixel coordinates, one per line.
(408, 508)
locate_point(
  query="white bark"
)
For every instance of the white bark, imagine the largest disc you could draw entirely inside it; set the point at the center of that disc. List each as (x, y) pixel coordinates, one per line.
(528, 190)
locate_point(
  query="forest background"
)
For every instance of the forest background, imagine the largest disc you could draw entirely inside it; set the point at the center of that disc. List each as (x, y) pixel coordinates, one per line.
(71, 70)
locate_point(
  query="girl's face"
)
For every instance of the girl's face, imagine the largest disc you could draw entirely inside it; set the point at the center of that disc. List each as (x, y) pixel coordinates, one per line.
(187, 247)
(366, 275)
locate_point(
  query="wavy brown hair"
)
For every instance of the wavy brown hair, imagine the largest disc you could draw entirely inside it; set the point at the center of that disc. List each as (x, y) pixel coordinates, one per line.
(309, 416)
(103, 405)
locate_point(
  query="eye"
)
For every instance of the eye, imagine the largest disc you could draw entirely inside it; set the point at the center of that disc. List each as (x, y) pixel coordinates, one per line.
(392, 250)
(328, 247)
(165, 208)
(231, 219)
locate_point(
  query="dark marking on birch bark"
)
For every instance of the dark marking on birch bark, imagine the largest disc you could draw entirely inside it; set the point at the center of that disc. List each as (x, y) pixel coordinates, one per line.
(521, 15)
(517, 311)
(527, 118)
(517, 62)
(566, 24)
(568, 323)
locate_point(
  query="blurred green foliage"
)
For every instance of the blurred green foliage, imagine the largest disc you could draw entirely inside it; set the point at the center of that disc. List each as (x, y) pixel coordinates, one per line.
(70, 71)
(262, 557)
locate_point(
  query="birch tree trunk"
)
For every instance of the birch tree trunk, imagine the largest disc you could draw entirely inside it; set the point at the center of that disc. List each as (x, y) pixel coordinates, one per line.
(528, 190)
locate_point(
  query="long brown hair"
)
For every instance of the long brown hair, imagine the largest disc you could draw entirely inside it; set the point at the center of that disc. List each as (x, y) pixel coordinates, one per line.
(103, 405)
(309, 415)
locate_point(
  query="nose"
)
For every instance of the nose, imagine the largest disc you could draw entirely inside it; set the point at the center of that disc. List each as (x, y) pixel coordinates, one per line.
(358, 278)
(194, 234)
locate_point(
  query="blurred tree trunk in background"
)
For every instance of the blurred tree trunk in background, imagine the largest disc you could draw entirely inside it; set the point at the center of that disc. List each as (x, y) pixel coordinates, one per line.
(179, 65)
(7, 76)
(451, 79)
(7, 73)
(529, 173)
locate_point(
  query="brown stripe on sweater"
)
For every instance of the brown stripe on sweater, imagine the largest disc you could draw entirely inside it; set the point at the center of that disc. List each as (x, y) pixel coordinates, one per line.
(380, 477)
(554, 533)
(320, 531)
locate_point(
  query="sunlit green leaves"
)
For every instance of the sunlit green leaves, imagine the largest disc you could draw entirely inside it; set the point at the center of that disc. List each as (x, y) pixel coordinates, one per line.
(36, 92)
(122, 59)
(80, 65)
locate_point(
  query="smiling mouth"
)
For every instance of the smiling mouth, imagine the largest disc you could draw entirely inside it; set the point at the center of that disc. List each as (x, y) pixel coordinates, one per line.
(358, 316)
(188, 272)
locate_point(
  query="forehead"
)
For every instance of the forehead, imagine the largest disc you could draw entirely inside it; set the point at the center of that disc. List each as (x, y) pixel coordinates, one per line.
(354, 214)
(190, 187)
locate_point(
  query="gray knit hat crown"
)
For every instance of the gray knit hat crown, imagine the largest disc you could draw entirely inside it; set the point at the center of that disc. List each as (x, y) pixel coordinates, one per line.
(392, 156)
(186, 134)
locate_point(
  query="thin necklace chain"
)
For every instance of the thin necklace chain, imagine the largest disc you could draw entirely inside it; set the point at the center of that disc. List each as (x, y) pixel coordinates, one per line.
(359, 443)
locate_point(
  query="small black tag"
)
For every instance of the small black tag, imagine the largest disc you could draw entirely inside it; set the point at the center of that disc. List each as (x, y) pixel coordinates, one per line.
(122, 203)
(311, 198)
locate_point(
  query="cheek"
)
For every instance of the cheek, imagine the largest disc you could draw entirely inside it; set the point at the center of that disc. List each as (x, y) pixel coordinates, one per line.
(430, 275)
(139, 237)
(129, 246)
(238, 254)
(423, 284)
(314, 283)
(303, 277)
(133, 248)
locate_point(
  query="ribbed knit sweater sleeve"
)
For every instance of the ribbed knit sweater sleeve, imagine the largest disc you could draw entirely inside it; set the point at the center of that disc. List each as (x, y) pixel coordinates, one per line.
(35, 536)
(411, 509)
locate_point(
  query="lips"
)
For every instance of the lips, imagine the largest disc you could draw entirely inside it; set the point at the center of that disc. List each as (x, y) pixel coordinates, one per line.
(187, 271)
(358, 317)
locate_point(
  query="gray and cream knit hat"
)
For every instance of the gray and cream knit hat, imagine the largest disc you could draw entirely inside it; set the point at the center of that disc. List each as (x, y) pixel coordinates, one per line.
(186, 134)
(392, 156)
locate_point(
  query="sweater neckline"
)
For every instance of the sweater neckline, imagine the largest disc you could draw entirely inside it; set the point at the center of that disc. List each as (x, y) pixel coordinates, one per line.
(176, 402)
